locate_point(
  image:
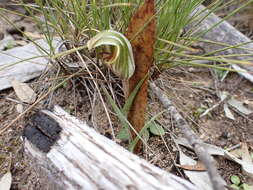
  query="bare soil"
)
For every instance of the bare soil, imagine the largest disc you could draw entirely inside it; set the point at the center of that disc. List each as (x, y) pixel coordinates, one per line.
(190, 90)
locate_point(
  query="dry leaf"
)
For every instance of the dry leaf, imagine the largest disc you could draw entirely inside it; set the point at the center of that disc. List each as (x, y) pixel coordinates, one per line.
(5, 181)
(211, 149)
(247, 167)
(141, 33)
(245, 153)
(23, 92)
(199, 166)
(228, 112)
(239, 106)
(200, 179)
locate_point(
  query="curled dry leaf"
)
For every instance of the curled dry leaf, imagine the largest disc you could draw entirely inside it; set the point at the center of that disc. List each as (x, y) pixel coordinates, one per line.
(199, 166)
(239, 106)
(199, 178)
(23, 92)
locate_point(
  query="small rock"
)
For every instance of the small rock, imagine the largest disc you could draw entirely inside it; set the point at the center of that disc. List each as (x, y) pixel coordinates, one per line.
(191, 69)
(6, 42)
(225, 135)
(20, 108)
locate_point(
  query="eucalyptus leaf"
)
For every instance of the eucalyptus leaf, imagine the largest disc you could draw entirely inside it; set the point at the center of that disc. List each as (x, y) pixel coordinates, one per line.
(247, 167)
(200, 179)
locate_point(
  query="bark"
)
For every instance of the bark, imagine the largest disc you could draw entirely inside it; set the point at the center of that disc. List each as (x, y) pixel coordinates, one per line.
(142, 42)
(68, 154)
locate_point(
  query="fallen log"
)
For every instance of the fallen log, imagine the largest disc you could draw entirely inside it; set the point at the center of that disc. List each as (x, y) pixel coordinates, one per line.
(68, 154)
(229, 39)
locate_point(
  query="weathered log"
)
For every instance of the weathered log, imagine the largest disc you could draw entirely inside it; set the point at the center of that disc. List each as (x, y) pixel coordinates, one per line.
(68, 154)
(224, 33)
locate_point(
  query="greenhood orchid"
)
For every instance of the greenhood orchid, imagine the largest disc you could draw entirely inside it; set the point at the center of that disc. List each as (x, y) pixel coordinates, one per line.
(119, 52)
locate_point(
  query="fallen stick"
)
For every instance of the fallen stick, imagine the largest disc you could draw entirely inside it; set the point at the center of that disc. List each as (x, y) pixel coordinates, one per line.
(217, 182)
(68, 154)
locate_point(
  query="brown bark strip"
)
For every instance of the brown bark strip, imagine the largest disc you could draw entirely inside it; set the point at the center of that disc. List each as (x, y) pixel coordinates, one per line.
(141, 32)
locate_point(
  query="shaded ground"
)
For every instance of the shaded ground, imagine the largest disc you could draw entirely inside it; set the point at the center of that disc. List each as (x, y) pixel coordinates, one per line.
(190, 89)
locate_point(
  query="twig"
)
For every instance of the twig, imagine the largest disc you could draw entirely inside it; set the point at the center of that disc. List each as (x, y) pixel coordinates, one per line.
(223, 100)
(13, 100)
(217, 182)
(207, 89)
(234, 147)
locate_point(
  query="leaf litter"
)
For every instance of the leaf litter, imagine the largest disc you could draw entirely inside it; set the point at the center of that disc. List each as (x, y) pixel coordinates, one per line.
(246, 161)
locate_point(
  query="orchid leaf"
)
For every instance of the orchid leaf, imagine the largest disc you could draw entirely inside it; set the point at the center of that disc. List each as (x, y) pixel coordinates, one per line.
(156, 129)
